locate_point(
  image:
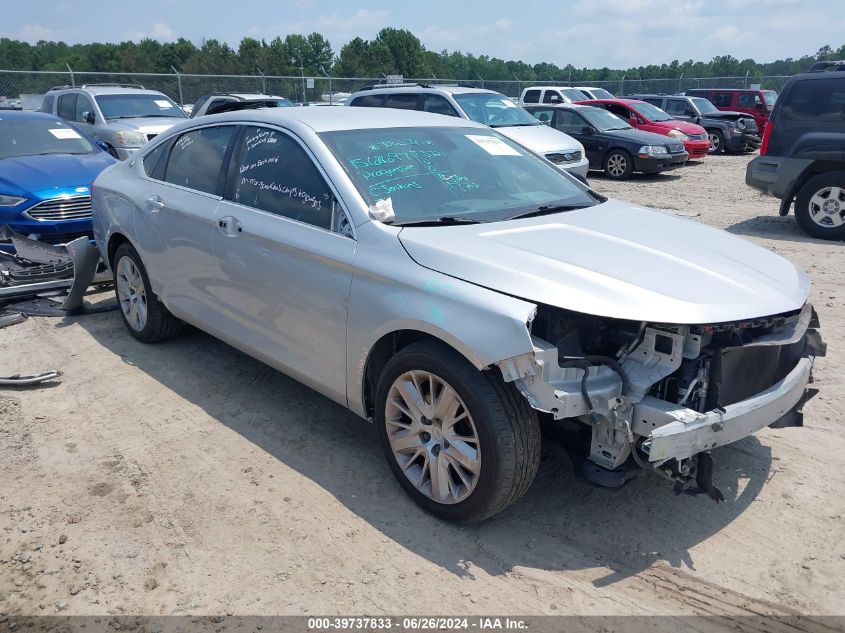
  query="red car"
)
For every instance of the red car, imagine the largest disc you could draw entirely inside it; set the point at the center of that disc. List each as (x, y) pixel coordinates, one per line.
(756, 103)
(650, 118)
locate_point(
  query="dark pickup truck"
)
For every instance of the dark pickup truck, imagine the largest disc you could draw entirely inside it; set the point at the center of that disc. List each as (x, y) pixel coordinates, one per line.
(802, 159)
(728, 131)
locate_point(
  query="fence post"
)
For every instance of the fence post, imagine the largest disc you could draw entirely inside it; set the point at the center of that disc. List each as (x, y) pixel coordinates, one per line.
(329, 77)
(481, 78)
(179, 83)
(518, 85)
(745, 81)
(263, 81)
(622, 91)
(680, 80)
(72, 80)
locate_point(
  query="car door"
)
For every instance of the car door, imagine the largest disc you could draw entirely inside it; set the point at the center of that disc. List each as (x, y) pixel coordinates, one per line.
(180, 189)
(284, 248)
(679, 109)
(85, 116)
(572, 123)
(66, 106)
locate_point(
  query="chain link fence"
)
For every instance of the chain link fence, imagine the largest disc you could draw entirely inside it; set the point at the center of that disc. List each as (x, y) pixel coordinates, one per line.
(24, 89)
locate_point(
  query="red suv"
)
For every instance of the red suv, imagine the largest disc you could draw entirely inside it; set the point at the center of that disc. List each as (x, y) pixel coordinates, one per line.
(757, 103)
(650, 118)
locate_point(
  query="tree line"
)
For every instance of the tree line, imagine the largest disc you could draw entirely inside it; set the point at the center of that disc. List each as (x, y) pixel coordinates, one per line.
(392, 51)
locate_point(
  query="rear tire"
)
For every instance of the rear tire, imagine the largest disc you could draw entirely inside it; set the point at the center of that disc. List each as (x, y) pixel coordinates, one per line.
(143, 314)
(820, 206)
(495, 436)
(618, 165)
(717, 142)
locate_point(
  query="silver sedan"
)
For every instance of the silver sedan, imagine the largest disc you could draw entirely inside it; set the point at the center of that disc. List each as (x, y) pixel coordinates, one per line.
(446, 283)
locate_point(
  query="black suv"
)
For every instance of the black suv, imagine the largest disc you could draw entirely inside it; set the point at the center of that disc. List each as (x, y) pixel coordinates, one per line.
(731, 131)
(802, 158)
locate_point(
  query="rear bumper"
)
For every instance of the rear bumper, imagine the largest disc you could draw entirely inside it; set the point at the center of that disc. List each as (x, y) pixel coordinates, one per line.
(656, 164)
(684, 432)
(775, 175)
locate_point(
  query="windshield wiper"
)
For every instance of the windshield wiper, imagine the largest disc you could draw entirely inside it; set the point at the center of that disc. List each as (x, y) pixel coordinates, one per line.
(441, 221)
(516, 124)
(548, 209)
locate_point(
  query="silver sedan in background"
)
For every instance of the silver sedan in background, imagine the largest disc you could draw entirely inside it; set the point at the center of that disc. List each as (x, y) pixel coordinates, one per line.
(453, 287)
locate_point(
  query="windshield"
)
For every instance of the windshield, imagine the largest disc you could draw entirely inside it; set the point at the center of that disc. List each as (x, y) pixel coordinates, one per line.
(414, 174)
(493, 109)
(770, 96)
(603, 120)
(130, 106)
(703, 105)
(31, 137)
(600, 93)
(650, 112)
(572, 94)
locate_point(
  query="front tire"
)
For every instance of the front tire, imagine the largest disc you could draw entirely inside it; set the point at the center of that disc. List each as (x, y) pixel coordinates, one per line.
(820, 206)
(618, 165)
(143, 314)
(461, 442)
(717, 142)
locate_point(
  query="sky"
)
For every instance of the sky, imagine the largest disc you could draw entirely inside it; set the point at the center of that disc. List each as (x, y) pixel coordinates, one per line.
(586, 33)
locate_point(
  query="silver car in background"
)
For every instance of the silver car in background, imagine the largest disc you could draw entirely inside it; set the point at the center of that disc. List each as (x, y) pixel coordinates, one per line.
(440, 280)
(121, 116)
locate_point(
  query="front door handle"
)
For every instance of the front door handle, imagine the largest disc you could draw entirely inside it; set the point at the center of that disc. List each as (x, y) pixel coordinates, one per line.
(155, 203)
(230, 226)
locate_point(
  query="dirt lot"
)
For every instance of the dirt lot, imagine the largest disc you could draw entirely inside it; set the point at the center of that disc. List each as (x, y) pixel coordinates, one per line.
(188, 478)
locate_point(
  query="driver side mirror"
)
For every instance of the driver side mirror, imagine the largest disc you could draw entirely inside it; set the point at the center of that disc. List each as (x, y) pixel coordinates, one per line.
(632, 121)
(89, 118)
(587, 130)
(102, 146)
(555, 99)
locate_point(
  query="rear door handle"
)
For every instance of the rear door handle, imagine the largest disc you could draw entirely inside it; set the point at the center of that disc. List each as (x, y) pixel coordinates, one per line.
(155, 203)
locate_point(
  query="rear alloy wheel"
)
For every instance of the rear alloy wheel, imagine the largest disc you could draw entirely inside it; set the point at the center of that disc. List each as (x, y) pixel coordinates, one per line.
(618, 165)
(461, 442)
(820, 206)
(717, 142)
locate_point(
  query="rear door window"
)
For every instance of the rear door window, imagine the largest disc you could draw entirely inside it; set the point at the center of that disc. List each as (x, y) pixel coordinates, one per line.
(368, 101)
(196, 160)
(748, 100)
(402, 101)
(722, 99)
(569, 122)
(275, 174)
(67, 106)
(155, 162)
(531, 96)
(675, 107)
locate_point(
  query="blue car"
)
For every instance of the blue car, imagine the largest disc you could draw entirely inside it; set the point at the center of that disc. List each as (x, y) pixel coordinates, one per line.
(46, 171)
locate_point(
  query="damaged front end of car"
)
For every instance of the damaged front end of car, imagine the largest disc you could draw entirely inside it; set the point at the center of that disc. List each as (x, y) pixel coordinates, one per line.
(660, 397)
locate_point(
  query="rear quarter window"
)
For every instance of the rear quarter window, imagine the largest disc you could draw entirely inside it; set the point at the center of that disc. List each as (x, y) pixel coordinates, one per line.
(816, 100)
(196, 159)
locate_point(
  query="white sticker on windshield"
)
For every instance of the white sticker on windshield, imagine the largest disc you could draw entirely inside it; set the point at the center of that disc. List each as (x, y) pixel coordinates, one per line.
(382, 210)
(64, 132)
(161, 103)
(508, 103)
(493, 145)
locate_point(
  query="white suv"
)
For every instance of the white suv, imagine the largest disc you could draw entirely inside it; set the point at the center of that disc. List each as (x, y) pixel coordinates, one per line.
(551, 94)
(482, 106)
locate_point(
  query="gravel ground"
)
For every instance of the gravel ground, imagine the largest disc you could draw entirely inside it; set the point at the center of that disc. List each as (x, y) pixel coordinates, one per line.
(188, 478)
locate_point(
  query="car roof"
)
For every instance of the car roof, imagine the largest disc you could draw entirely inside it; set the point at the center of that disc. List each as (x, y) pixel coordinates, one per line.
(27, 115)
(452, 89)
(110, 90)
(335, 119)
(245, 95)
(616, 100)
(558, 106)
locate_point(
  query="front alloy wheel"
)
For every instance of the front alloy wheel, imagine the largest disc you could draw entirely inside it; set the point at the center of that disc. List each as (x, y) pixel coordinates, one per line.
(461, 442)
(433, 437)
(717, 143)
(131, 294)
(618, 165)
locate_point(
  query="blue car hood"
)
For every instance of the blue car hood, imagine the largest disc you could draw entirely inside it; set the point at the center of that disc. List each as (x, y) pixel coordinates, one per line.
(24, 175)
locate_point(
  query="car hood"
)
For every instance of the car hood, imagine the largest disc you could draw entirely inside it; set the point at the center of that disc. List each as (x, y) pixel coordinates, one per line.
(646, 138)
(540, 138)
(27, 174)
(616, 260)
(145, 125)
(727, 115)
(684, 126)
